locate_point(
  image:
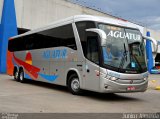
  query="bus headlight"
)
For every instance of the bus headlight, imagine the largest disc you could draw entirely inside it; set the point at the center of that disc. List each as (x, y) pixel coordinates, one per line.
(146, 78)
(113, 78)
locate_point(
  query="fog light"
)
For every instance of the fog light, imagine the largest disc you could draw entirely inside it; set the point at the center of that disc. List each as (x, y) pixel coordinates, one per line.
(105, 86)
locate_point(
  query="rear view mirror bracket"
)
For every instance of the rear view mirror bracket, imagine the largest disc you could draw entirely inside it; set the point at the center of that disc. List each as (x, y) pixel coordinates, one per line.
(101, 33)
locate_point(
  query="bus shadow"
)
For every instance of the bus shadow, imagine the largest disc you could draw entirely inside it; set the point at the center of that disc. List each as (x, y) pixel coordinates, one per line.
(86, 94)
(45, 85)
(109, 96)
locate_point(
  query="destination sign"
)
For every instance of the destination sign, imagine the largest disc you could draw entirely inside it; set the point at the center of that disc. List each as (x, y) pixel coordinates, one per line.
(129, 36)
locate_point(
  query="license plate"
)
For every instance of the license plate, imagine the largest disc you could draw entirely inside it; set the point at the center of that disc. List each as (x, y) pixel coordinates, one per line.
(131, 88)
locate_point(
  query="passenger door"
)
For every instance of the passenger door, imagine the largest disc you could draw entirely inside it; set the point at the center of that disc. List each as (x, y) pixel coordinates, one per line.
(92, 81)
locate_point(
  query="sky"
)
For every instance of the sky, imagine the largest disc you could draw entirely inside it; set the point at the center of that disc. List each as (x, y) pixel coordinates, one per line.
(143, 12)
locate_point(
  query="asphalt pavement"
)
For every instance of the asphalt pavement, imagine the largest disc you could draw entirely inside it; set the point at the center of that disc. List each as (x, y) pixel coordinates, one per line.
(38, 97)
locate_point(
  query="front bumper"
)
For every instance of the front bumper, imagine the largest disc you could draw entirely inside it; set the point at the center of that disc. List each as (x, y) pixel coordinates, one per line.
(108, 86)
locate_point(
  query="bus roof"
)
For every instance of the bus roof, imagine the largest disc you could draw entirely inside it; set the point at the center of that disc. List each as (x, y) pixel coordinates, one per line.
(118, 22)
(77, 18)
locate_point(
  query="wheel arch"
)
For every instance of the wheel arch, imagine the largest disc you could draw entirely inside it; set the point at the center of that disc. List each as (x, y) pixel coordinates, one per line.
(21, 68)
(70, 72)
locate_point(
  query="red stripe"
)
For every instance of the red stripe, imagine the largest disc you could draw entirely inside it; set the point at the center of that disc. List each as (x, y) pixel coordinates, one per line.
(31, 69)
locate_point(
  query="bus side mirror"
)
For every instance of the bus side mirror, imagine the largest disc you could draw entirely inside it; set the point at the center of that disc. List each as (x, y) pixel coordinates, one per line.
(101, 33)
(155, 43)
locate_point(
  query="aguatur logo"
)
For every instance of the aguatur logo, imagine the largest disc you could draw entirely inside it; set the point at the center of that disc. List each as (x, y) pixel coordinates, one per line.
(129, 36)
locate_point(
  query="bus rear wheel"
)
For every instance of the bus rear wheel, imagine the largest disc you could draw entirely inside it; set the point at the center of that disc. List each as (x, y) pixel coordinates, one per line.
(15, 74)
(74, 84)
(21, 76)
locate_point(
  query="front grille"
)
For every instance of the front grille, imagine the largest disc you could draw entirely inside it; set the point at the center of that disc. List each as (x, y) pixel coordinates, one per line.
(130, 81)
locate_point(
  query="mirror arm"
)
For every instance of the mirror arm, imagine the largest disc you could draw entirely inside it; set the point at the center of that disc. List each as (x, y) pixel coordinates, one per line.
(101, 33)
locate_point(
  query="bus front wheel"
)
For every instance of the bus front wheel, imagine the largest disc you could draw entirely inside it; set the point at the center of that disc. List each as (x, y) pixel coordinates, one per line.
(74, 84)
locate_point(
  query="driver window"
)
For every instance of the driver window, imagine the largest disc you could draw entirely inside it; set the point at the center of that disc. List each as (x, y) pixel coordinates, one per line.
(81, 27)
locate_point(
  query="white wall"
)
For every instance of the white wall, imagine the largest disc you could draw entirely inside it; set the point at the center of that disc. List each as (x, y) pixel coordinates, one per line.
(36, 13)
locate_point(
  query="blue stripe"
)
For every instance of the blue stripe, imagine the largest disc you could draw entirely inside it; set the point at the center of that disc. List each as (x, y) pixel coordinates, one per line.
(49, 77)
(27, 76)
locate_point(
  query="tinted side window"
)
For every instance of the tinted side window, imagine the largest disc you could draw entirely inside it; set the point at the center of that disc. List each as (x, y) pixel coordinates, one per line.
(16, 44)
(81, 27)
(29, 42)
(60, 36)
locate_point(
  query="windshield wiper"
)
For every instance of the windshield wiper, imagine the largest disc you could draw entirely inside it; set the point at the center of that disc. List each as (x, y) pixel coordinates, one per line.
(123, 57)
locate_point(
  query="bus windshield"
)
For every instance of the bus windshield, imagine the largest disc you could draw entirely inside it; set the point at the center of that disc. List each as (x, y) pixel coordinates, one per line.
(124, 49)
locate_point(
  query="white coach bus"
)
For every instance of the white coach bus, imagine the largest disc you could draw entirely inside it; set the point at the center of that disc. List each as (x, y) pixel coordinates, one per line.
(83, 52)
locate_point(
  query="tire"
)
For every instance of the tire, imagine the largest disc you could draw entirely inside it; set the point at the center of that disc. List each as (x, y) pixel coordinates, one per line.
(15, 74)
(21, 76)
(74, 84)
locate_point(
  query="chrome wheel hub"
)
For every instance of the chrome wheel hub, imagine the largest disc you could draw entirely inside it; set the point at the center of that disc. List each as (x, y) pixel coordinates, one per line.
(16, 75)
(21, 76)
(75, 84)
